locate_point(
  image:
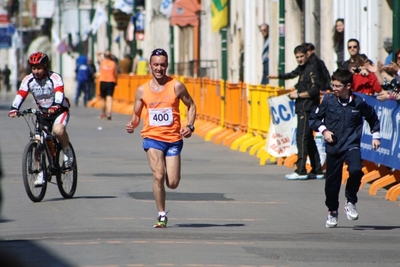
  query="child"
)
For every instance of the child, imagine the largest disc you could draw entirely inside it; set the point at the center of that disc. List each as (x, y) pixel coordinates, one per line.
(339, 119)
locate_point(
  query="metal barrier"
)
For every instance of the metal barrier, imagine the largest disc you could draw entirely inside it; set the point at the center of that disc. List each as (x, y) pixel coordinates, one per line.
(238, 116)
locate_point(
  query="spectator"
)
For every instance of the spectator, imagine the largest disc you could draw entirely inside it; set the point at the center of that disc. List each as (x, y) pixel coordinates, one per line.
(364, 81)
(307, 98)
(84, 74)
(125, 64)
(319, 64)
(353, 46)
(264, 29)
(108, 80)
(312, 59)
(22, 72)
(6, 78)
(338, 41)
(340, 120)
(92, 85)
(388, 46)
(140, 64)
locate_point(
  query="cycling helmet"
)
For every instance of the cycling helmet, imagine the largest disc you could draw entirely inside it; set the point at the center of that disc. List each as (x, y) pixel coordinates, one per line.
(39, 58)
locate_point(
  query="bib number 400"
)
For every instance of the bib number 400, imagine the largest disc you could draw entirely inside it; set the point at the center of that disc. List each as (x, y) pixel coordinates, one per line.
(160, 116)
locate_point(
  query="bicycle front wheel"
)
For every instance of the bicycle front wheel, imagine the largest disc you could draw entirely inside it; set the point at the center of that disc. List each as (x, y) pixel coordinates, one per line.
(34, 172)
(67, 177)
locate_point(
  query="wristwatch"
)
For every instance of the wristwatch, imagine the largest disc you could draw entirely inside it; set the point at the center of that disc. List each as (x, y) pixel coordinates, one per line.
(191, 127)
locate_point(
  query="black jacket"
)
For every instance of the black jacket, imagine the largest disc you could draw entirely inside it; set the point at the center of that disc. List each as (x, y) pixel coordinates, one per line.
(309, 81)
(345, 122)
(319, 64)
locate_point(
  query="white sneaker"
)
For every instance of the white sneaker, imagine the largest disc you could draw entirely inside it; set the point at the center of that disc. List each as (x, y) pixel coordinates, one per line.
(296, 176)
(332, 219)
(39, 180)
(351, 211)
(68, 157)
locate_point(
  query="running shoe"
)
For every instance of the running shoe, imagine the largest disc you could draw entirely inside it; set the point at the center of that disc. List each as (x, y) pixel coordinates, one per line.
(296, 176)
(39, 180)
(68, 158)
(351, 211)
(332, 219)
(161, 222)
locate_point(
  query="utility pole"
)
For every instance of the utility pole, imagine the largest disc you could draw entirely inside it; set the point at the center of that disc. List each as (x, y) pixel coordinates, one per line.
(21, 32)
(396, 26)
(109, 30)
(79, 28)
(133, 42)
(59, 32)
(172, 50)
(281, 67)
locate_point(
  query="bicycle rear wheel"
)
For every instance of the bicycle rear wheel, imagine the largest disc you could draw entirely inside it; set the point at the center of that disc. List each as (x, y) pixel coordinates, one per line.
(67, 178)
(34, 164)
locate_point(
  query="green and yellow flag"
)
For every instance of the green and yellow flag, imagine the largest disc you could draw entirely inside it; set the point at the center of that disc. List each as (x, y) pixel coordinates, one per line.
(219, 11)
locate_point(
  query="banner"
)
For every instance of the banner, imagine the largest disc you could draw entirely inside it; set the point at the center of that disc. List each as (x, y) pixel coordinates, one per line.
(282, 133)
(389, 116)
(281, 140)
(125, 6)
(99, 18)
(219, 14)
(166, 8)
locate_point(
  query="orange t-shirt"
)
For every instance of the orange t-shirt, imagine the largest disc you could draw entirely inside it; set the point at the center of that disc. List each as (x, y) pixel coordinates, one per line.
(162, 120)
(107, 70)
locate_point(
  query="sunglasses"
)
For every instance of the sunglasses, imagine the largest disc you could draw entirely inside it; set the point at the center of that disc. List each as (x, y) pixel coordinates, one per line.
(354, 46)
(159, 52)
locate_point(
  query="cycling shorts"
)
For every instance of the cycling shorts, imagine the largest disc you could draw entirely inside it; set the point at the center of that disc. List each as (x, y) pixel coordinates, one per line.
(169, 149)
(49, 121)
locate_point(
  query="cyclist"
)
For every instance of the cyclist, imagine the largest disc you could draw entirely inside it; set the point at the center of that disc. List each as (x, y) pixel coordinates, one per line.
(47, 88)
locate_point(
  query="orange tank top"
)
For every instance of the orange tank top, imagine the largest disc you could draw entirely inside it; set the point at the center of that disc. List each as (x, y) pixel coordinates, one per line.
(162, 120)
(107, 70)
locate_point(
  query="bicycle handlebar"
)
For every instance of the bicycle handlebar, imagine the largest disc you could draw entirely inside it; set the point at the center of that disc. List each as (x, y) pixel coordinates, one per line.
(28, 111)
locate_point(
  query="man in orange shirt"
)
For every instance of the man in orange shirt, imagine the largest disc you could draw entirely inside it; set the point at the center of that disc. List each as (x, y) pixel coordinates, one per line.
(162, 133)
(108, 80)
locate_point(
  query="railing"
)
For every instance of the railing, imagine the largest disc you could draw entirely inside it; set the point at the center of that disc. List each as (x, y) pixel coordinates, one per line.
(238, 116)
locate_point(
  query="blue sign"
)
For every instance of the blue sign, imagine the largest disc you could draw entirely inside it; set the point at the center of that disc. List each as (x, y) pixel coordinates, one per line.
(389, 116)
(6, 36)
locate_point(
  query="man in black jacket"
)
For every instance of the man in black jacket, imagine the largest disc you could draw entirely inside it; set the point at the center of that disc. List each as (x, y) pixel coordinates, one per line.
(340, 120)
(313, 59)
(307, 99)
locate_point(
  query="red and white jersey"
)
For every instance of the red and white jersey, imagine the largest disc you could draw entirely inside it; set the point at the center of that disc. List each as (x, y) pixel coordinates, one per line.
(46, 92)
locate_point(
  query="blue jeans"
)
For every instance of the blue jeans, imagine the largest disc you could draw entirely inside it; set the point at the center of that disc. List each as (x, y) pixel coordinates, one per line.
(82, 87)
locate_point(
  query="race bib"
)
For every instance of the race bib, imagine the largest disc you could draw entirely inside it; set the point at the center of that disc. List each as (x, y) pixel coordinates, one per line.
(160, 116)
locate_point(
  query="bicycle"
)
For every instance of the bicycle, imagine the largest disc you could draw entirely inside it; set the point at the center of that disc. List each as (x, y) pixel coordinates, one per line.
(39, 157)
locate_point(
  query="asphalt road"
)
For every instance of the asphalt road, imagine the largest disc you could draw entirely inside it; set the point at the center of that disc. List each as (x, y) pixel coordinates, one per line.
(227, 211)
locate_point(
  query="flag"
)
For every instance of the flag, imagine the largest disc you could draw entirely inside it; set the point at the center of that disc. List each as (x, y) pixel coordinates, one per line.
(61, 46)
(125, 6)
(99, 18)
(219, 14)
(130, 30)
(166, 8)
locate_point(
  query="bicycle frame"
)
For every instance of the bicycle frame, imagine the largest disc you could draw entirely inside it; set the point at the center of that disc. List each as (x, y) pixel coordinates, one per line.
(36, 177)
(38, 133)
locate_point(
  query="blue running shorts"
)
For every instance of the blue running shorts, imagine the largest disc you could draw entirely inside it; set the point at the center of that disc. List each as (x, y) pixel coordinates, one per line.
(169, 149)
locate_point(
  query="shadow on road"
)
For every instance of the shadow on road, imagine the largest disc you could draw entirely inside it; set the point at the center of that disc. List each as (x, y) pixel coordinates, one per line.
(374, 227)
(182, 196)
(203, 225)
(24, 253)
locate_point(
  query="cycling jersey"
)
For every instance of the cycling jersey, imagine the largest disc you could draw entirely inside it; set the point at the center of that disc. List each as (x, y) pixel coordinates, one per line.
(46, 92)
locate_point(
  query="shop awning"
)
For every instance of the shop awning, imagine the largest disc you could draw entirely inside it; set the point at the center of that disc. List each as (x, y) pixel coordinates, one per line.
(184, 13)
